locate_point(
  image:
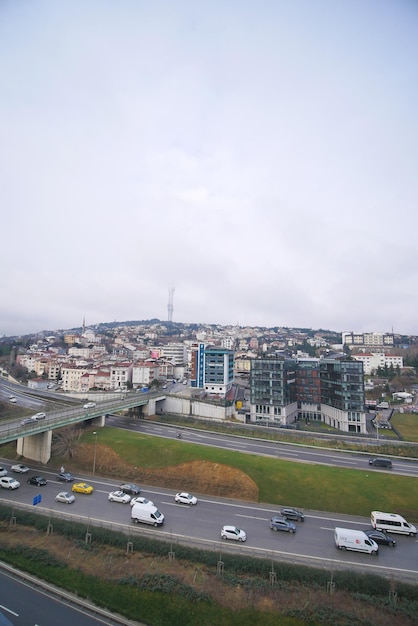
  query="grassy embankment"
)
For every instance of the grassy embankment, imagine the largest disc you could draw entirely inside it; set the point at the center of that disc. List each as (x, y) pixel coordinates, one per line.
(317, 487)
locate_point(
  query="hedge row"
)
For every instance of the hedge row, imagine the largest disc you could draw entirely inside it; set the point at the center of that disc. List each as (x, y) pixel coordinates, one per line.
(250, 573)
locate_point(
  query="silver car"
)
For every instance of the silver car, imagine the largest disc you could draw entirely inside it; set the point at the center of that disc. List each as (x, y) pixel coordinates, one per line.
(65, 497)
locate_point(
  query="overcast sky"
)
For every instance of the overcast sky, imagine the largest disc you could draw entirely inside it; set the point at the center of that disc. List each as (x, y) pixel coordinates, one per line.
(259, 157)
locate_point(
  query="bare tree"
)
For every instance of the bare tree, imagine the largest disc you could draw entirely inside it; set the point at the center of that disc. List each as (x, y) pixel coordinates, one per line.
(65, 440)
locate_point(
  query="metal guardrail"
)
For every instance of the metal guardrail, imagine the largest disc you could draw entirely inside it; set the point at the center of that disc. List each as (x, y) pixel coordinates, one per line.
(274, 556)
(67, 598)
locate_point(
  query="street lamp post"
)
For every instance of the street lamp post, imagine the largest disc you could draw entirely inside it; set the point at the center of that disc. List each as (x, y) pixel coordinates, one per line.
(95, 451)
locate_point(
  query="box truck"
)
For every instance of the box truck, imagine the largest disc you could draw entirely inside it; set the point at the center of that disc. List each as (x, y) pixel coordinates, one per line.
(146, 514)
(357, 540)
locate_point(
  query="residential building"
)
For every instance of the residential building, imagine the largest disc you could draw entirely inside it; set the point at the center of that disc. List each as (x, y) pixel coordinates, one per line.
(144, 373)
(71, 377)
(120, 375)
(369, 340)
(174, 352)
(372, 361)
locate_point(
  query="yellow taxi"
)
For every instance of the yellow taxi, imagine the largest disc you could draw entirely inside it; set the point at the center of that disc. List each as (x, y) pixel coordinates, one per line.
(82, 488)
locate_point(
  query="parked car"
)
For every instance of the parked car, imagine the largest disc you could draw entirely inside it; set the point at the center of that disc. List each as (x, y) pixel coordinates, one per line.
(65, 497)
(119, 496)
(3, 471)
(131, 489)
(185, 498)
(380, 537)
(20, 468)
(38, 416)
(8, 482)
(65, 477)
(281, 523)
(294, 514)
(89, 405)
(141, 500)
(39, 481)
(234, 533)
(82, 488)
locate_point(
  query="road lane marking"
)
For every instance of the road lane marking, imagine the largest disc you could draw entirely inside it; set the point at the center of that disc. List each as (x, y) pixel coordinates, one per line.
(9, 610)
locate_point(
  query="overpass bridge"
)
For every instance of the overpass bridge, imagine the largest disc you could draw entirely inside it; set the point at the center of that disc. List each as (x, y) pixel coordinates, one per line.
(34, 439)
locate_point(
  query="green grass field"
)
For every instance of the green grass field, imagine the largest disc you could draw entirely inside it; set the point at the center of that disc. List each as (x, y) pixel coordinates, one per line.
(407, 425)
(309, 486)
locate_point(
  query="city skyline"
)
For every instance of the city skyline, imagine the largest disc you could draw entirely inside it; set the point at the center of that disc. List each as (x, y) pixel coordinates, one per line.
(260, 158)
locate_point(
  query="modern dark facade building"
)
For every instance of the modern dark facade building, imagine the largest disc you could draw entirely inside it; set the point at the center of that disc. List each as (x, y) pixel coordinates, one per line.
(273, 390)
(284, 390)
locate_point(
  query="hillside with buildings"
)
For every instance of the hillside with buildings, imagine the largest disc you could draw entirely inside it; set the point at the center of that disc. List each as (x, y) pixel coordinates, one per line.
(269, 376)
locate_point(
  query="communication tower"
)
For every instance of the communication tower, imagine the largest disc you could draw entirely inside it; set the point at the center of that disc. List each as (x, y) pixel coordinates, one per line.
(170, 304)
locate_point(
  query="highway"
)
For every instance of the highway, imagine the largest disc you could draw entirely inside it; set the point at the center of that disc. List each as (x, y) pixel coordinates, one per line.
(27, 604)
(200, 526)
(288, 451)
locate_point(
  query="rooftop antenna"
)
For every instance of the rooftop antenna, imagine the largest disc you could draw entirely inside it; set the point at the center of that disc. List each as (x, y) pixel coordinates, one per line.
(170, 304)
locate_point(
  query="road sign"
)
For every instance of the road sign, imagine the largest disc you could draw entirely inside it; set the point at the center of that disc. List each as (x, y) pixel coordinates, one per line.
(36, 500)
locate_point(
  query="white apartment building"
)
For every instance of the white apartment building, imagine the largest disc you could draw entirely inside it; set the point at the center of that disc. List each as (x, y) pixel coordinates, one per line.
(145, 373)
(71, 377)
(120, 375)
(174, 352)
(373, 360)
(370, 340)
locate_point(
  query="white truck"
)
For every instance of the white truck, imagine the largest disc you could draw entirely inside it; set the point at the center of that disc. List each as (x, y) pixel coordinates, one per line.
(357, 540)
(147, 514)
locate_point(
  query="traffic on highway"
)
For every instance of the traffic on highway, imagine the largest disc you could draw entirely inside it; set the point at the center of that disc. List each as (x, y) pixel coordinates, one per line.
(201, 525)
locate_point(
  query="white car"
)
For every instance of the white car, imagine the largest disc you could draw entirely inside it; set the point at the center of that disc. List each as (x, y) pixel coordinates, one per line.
(8, 482)
(185, 498)
(12, 399)
(20, 468)
(141, 500)
(89, 405)
(3, 471)
(65, 497)
(119, 496)
(38, 416)
(234, 533)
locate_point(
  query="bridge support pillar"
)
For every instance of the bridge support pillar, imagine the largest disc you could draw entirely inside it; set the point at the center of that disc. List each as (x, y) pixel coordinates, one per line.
(36, 447)
(99, 422)
(151, 408)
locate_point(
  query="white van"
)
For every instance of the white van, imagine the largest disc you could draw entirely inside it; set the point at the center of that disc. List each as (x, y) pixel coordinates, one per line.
(147, 514)
(357, 540)
(391, 522)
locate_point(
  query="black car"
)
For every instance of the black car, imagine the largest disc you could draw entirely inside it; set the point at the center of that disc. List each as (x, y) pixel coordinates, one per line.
(39, 481)
(379, 537)
(65, 477)
(131, 489)
(381, 463)
(289, 513)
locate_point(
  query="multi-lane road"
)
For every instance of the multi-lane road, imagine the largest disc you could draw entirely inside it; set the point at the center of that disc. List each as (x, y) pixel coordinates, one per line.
(258, 446)
(200, 525)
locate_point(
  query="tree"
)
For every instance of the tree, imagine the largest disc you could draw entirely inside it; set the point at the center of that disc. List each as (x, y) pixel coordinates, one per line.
(65, 441)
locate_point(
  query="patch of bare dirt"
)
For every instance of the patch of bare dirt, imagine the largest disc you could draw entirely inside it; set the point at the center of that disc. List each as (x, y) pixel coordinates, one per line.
(201, 477)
